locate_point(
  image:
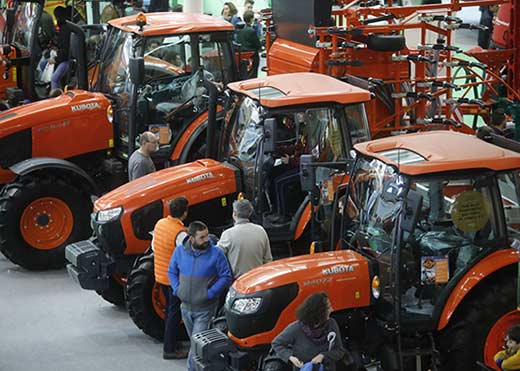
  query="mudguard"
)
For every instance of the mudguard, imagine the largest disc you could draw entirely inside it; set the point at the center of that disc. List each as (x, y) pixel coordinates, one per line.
(38, 163)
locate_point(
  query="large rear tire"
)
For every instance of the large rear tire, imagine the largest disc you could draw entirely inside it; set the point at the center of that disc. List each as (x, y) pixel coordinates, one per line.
(39, 216)
(478, 329)
(144, 299)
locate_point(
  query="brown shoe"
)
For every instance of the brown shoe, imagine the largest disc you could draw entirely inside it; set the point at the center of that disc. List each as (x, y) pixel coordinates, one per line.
(178, 354)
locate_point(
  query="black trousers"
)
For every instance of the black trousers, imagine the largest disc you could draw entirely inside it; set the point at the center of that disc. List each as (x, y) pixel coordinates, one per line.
(172, 320)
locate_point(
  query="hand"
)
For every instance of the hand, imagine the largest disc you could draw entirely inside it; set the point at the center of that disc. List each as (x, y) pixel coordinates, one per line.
(285, 159)
(318, 359)
(51, 61)
(295, 361)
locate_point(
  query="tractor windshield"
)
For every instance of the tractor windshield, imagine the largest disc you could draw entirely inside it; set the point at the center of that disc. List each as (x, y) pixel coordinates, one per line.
(23, 28)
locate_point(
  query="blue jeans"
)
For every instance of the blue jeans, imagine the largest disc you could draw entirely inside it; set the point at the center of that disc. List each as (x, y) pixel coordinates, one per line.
(196, 322)
(59, 72)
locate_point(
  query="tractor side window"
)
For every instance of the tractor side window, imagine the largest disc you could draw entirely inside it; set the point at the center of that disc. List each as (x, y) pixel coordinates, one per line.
(116, 79)
(372, 208)
(456, 223)
(23, 28)
(509, 191)
(324, 135)
(357, 123)
(215, 58)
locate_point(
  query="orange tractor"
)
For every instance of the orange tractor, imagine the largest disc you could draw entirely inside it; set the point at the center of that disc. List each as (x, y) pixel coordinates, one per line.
(265, 118)
(420, 270)
(58, 153)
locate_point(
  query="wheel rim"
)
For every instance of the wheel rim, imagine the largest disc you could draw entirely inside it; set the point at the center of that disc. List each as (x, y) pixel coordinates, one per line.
(158, 300)
(46, 223)
(495, 338)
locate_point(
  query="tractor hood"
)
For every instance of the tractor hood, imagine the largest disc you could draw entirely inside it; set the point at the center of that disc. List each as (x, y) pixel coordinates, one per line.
(196, 180)
(343, 274)
(262, 302)
(53, 110)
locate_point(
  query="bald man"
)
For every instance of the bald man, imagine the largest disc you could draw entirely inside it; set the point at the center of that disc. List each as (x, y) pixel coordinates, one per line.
(140, 162)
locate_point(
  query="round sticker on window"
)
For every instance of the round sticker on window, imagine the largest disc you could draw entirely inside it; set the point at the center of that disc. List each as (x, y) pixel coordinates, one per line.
(470, 211)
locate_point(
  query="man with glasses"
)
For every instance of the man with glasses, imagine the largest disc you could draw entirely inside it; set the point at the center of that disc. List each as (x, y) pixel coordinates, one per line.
(140, 162)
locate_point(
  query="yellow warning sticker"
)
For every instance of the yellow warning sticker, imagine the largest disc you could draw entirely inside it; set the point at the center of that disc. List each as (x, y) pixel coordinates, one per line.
(111, 143)
(470, 212)
(224, 201)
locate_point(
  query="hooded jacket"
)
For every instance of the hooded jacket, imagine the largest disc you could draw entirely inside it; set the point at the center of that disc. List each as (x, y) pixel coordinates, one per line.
(199, 277)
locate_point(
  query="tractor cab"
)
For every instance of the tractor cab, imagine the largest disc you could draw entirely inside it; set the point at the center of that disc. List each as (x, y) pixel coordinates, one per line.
(428, 216)
(276, 120)
(152, 67)
(27, 38)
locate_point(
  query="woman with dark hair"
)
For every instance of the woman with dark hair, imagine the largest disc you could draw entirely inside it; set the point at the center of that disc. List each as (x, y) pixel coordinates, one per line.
(229, 13)
(314, 337)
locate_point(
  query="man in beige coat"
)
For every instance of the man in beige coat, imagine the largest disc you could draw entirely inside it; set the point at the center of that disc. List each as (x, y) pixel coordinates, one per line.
(246, 244)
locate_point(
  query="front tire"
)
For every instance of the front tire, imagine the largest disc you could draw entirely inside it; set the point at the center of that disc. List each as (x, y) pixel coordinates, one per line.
(115, 293)
(144, 299)
(39, 216)
(478, 329)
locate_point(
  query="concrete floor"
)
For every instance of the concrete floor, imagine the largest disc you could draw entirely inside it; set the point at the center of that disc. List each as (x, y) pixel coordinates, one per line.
(48, 323)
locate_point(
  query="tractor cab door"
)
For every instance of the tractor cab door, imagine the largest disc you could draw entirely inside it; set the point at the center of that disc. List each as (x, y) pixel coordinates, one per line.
(242, 145)
(456, 225)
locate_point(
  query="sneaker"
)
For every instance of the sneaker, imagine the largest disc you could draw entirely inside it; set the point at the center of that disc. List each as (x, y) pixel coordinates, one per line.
(178, 354)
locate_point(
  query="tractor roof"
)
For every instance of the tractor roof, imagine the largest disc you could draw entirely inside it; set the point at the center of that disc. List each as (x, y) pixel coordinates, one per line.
(299, 88)
(438, 151)
(170, 23)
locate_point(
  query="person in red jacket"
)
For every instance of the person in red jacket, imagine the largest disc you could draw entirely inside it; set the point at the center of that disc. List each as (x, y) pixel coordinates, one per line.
(168, 233)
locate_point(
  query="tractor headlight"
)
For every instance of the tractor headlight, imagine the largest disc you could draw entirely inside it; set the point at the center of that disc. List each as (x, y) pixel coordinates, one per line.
(109, 214)
(110, 114)
(229, 297)
(376, 287)
(246, 305)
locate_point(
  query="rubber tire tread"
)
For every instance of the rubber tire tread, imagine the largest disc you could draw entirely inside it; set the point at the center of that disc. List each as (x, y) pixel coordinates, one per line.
(139, 298)
(462, 342)
(115, 294)
(13, 200)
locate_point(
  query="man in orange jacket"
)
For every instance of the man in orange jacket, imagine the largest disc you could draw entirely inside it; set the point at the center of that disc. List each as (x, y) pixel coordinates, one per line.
(168, 233)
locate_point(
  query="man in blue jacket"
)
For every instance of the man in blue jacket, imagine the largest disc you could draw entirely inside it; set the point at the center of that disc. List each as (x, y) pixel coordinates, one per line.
(199, 273)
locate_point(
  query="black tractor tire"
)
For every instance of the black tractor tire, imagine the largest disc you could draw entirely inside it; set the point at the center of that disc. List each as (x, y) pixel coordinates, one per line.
(114, 294)
(275, 365)
(462, 342)
(139, 304)
(16, 197)
(386, 43)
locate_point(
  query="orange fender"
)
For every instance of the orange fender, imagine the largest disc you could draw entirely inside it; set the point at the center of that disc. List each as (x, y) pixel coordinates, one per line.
(477, 274)
(302, 223)
(188, 132)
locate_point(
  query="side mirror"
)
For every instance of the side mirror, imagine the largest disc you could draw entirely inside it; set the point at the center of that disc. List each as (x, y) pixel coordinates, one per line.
(270, 135)
(412, 210)
(9, 19)
(307, 173)
(136, 70)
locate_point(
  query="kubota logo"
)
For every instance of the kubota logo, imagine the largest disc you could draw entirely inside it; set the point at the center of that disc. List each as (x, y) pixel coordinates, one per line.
(85, 107)
(338, 269)
(199, 178)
